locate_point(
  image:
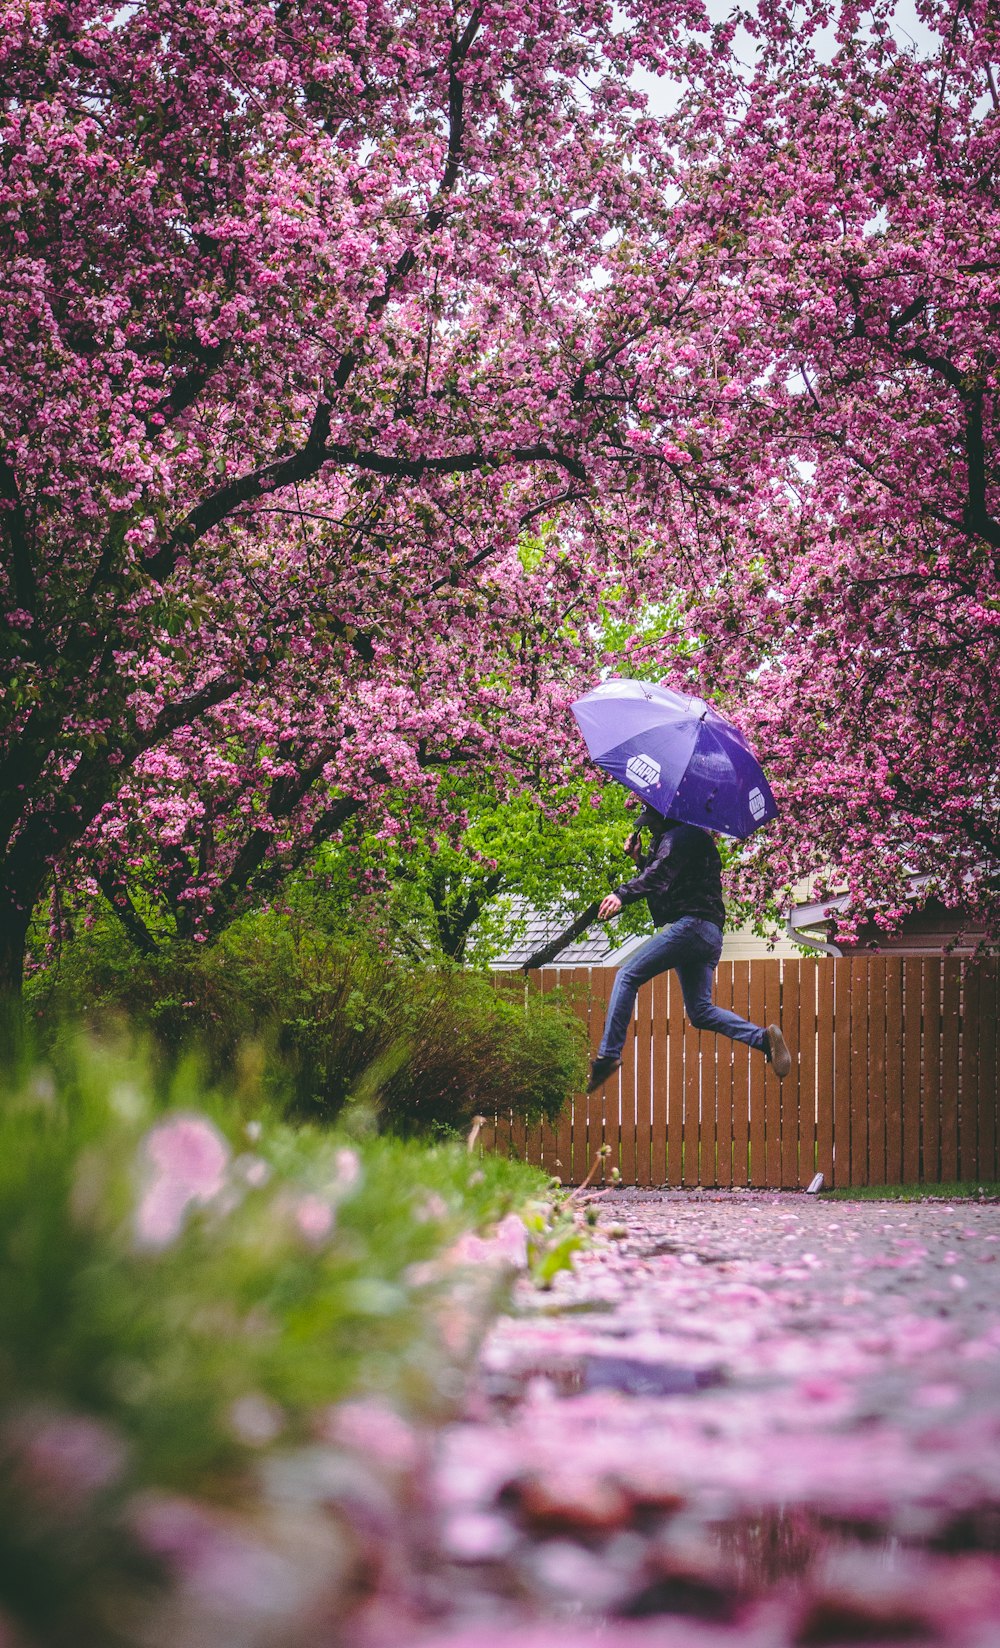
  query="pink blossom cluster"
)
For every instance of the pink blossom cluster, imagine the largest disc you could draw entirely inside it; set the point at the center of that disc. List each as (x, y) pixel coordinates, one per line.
(187, 1164)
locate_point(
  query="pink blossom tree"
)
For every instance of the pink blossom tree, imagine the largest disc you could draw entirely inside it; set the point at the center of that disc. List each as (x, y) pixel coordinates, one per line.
(310, 311)
(313, 312)
(849, 601)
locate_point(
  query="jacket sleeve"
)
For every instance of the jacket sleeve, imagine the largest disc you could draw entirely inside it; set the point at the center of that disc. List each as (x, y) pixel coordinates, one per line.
(655, 876)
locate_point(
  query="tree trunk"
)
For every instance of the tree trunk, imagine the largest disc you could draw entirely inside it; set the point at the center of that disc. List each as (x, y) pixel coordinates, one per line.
(15, 914)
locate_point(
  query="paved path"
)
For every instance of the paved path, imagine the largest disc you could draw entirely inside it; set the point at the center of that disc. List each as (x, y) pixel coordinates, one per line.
(750, 1418)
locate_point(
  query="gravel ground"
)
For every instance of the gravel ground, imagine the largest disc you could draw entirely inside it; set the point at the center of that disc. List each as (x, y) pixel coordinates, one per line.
(752, 1418)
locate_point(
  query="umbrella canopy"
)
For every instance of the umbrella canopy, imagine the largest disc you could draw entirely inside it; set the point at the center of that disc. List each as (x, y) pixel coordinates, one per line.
(678, 754)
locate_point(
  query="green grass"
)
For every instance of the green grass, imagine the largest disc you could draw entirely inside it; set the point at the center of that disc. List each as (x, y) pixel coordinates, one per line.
(312, 1273)
(161, 1338)
(950, 1192)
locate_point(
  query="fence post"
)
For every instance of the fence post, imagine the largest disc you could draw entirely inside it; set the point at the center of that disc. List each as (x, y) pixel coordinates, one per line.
(658, 1153)
(793, 1123)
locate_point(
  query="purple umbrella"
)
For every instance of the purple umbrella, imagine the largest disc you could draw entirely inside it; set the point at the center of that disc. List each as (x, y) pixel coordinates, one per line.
(678, 754)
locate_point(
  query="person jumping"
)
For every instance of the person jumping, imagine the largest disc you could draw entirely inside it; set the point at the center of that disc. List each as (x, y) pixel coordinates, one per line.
(681, 879)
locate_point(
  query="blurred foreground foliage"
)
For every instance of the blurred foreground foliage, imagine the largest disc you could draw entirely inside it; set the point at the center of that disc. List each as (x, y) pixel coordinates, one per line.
(320, 1022)
(190, 1288)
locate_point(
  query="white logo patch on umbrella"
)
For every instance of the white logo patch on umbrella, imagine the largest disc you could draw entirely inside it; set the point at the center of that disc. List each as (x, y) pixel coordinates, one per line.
(758, 805)
(645, 772)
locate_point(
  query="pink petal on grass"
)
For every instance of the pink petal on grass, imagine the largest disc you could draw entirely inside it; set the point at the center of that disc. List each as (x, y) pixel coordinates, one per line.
(63, 1459)
(507, 1246)
(314, 1218)
(186, 1160)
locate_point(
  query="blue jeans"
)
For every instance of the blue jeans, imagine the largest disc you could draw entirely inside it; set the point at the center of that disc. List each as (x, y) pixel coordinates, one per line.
(692, 947)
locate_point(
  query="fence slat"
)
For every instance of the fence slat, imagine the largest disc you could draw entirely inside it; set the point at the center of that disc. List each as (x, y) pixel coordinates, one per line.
(951, 997)
(692, 1104)
(807, 1070)
(772, 1086)
(824, 1070)
(644, 1032)
(597, 1133)
(930, 1168)
(758, 1071)
(741, 1078)
(875, 985)
(894, 1073)
(675, 1083)
(842, 1072)
(710, 1046)
(988, 1084)
(607, 1100)
(724, 1073)
(913, 1008)
(968, 1097)
(624, 1157)
(858, 1068)
(658, 1152)
(790, 1093)
(913, 1011)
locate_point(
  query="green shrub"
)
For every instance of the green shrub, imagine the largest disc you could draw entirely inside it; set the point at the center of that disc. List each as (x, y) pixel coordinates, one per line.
(414, 1048)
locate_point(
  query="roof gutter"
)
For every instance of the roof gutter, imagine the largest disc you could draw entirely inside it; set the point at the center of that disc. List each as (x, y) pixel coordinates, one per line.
(801, 935)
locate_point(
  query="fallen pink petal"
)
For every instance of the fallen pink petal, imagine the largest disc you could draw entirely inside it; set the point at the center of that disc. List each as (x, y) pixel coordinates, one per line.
(185, 1162)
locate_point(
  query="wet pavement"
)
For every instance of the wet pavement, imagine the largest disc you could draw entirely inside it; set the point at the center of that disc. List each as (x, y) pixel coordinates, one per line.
(748, 1418)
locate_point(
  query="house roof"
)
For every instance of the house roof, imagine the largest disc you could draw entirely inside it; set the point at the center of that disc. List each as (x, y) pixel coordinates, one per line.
(818, 914)
(930, 927)
(538, 927)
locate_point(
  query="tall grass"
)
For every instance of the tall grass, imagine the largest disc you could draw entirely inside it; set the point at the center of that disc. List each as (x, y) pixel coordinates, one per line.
(189, 1285)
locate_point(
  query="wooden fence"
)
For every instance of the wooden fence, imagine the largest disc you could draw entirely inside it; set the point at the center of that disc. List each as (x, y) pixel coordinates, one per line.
(894, 1079)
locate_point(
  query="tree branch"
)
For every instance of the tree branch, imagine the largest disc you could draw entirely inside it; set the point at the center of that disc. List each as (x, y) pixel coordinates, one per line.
(281, 472)
(250, 876)
(907, 316)
(453, 932)
(976, 518)
(117, 895)
(245, 880)
(937, 363)
(309, 460)
(189, 386)
(184, 711)
(435, 216)
(15, 521)
(975, 515)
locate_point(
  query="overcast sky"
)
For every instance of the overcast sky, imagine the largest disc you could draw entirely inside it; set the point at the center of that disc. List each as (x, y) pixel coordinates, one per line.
(662, 93)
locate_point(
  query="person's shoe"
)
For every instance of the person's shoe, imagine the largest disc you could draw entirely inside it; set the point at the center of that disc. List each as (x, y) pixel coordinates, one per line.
(776, 1048)
(600, 1072)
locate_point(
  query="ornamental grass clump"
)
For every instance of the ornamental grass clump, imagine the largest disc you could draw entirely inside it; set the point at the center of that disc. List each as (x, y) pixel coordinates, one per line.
(187, 1293)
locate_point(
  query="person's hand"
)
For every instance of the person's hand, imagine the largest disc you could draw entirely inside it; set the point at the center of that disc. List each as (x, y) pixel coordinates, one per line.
(633, 845)
(610, 906)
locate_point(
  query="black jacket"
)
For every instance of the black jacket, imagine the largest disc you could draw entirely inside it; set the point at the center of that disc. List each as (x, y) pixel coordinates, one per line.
(680, 876)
